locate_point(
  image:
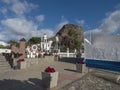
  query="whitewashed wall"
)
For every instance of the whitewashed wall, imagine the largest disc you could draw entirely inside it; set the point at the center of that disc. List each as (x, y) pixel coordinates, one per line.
(103, 48)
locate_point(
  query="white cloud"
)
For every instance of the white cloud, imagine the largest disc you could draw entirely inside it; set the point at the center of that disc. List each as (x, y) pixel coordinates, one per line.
(18, 25)
(2, 37)
(118, 6)
(49, 32)
(3, 10)
(62, 23)
(19, 8)
(110, 25)
(40, 18)
(17, 28)
(80, 22)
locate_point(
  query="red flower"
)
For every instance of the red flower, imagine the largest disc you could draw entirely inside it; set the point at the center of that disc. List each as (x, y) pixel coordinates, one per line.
(20, 60)
(49, 70)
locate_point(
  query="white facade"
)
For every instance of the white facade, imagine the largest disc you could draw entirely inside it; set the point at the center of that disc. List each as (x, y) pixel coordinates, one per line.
(45, 38)
(45, 45)
(103, 48)
(33, 51)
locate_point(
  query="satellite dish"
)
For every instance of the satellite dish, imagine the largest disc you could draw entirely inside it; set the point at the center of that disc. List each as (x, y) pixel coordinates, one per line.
(34, 47)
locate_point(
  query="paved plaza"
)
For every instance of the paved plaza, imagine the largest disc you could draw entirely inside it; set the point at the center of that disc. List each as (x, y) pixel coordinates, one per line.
(30, 78)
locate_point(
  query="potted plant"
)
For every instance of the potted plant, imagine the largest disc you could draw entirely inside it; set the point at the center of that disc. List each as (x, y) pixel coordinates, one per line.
(21, 63)
(49, 77)
(81, 67)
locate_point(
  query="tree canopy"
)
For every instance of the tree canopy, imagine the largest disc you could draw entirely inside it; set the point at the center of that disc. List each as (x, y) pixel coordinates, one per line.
(34, 40)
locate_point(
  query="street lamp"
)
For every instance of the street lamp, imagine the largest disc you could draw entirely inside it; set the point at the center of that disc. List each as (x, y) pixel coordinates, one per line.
(57, 43)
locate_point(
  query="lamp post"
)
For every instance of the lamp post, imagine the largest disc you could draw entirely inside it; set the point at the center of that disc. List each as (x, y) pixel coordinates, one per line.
(57, 43)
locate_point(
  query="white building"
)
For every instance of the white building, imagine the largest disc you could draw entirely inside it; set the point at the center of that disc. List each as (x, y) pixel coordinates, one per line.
(103, 48)
(45, 44)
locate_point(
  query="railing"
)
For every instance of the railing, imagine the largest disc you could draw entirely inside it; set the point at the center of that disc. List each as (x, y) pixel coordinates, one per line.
(65, 54)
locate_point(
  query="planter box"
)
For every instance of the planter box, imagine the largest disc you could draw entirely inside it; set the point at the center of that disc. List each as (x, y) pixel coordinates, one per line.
(21, 65)
(49, 79)
(81, 68)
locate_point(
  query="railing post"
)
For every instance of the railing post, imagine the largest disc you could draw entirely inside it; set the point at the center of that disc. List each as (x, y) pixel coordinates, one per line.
(67, 52)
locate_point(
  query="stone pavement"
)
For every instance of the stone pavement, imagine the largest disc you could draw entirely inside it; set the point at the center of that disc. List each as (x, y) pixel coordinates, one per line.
(30, 78)
(91, 82)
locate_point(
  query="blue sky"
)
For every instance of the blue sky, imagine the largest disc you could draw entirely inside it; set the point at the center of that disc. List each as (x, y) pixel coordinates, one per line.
(27, 18)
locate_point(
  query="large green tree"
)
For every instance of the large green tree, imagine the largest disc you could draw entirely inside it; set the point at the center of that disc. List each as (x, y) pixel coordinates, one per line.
(34, 40)
(13, 42)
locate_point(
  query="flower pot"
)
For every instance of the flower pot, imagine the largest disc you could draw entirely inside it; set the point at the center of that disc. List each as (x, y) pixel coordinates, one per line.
(21, 65)
(81, 68)
(49, 79)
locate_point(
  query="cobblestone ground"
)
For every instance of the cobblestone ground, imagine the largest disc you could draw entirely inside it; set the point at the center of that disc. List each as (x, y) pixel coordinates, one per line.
(90, 82)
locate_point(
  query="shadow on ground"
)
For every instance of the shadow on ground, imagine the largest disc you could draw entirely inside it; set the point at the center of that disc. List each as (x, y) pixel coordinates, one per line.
(31, 84)
(8, 58)
(70, 70)
(70, 59)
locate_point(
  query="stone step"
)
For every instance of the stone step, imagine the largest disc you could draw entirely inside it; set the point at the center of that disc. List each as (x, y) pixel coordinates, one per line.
(1, 64)
(2, 58)
(4, 64)
(3, 61)
(5, 68)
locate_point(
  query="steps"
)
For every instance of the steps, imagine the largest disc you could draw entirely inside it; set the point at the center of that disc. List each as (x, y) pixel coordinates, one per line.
(4, 65)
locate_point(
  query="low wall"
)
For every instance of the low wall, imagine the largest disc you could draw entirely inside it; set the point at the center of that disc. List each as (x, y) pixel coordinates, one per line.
(70, 59)
(34, 61)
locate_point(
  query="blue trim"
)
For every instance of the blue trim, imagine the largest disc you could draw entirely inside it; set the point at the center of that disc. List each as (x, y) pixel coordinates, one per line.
(110, 65)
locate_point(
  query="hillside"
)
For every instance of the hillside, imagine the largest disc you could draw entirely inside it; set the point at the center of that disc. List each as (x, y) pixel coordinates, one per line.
(70, 36)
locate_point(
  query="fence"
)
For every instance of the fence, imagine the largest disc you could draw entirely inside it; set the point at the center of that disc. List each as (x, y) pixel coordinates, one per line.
(66, 54)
